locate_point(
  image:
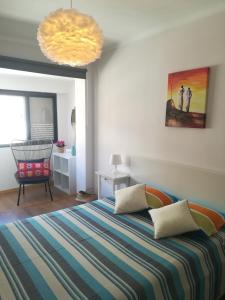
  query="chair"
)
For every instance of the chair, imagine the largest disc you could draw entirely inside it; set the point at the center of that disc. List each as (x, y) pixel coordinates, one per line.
(32, 159)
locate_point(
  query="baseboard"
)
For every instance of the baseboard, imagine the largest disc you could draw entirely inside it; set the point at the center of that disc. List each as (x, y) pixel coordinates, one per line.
(27, 186)
(8, 191)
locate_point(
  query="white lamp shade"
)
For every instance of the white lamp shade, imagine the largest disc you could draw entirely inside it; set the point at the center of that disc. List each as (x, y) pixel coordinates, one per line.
(115, 159)
(68, 37)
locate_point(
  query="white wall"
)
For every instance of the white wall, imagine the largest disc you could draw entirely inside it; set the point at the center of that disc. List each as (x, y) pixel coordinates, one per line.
(90, 134)
(81, 135)
(85, 132)
(131, 102)
(65, 89)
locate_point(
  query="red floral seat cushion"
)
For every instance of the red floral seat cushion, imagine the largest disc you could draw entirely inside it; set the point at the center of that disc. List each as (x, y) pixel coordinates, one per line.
(33, 168)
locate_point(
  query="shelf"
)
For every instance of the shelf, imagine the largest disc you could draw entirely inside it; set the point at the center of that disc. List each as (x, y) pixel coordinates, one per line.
(64, 171)
(56, 161)
(60, 171)
(62, 189)
(65, 155)
(64, 165)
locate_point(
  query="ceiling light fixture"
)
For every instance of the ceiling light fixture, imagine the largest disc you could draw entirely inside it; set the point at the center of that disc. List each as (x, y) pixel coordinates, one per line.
(68, 37)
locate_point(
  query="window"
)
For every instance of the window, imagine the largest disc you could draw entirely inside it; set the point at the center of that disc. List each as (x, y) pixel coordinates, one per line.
(27, 115)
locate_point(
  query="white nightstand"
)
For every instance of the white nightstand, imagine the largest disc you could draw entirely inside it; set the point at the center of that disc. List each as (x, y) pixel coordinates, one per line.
(113, 178)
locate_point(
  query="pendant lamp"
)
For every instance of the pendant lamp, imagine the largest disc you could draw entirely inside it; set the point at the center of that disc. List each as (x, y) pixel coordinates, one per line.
(69, 37)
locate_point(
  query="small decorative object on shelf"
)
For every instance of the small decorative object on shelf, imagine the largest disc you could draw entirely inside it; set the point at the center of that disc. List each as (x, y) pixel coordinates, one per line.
(73, 150)
(60, 146)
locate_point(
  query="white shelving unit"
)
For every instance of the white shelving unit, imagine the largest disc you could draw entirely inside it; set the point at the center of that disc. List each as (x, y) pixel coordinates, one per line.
(64, 172)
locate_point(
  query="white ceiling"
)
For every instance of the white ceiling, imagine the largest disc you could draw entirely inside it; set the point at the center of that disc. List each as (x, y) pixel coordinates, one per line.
(121, 20)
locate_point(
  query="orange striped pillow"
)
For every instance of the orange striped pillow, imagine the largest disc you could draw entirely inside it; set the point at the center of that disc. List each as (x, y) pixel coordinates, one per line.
(156, 198)
(209, 220)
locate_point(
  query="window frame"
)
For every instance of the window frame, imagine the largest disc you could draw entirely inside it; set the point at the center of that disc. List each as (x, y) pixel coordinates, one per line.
(28, 95)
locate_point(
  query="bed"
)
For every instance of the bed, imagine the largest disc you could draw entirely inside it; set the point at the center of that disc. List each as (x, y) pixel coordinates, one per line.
(87, 252)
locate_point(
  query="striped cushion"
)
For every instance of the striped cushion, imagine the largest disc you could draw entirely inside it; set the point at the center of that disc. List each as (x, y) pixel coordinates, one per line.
(156, 198)
(209, 220)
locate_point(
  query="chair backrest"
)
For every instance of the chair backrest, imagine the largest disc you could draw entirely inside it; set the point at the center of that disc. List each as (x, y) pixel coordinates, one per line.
(31, 150)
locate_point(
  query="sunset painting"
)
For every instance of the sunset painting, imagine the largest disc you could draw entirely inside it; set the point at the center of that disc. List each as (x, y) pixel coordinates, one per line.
(186, 98)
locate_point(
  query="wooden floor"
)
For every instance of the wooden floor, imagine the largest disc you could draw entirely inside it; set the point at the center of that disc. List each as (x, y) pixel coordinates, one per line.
(34, 202)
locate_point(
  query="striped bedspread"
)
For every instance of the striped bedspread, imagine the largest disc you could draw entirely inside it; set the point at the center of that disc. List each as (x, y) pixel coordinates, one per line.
(87, 252)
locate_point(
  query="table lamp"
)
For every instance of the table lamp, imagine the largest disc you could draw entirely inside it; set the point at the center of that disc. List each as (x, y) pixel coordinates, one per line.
(115, 160)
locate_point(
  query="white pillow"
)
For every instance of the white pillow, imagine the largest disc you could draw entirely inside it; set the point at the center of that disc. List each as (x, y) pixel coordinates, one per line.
(172, 219)
(130, 199)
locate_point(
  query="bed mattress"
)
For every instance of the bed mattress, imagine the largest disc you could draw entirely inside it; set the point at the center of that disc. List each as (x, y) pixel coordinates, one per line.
(87, 252)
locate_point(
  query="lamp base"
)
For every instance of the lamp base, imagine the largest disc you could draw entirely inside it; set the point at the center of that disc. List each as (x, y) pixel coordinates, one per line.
(115, 170)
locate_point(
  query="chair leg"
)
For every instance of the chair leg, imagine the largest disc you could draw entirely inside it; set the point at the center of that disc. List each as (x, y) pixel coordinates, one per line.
(23, 189)
(18, 201)
(50, 192)
(45, 188)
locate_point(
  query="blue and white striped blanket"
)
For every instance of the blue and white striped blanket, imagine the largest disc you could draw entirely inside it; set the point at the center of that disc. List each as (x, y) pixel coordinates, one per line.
(87, 252)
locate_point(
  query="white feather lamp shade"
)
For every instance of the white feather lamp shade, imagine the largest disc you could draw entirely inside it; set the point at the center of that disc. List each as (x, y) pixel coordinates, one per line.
(70, 38)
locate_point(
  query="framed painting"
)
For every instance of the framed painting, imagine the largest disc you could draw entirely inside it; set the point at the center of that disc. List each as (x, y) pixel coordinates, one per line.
(186, 98)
